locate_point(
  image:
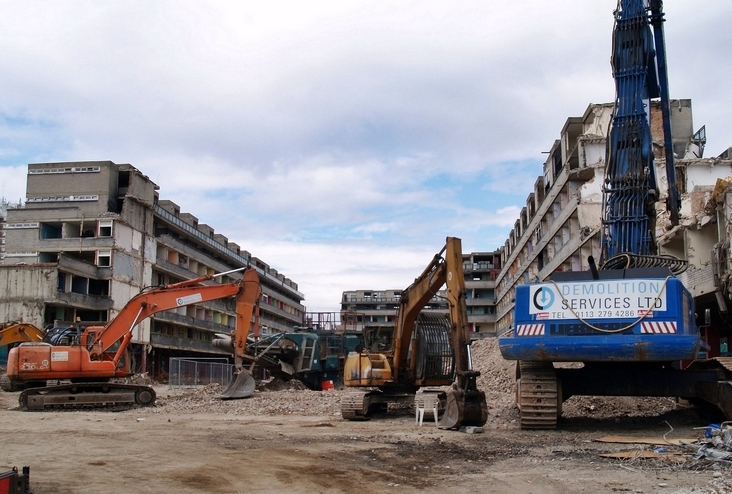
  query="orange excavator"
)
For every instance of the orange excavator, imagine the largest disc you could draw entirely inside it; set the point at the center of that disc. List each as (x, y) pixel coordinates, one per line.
(425, 350)
(90, 357)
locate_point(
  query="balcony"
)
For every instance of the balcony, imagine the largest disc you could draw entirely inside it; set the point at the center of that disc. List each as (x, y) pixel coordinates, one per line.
(82, 268)
(192, 322)
(482, 318)
(76, 243)
(471, 284)
(89, 302)
(478, 267)
(222, 249)
(271, 309)
(173, 343)
(174, 269)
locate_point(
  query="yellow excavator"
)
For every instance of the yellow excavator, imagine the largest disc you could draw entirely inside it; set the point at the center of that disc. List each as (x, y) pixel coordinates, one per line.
(15, 332)
(425, 350)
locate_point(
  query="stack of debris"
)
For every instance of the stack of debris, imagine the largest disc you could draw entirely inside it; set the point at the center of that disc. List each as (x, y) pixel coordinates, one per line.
(497, 380)
(717, 443)
(283, 401)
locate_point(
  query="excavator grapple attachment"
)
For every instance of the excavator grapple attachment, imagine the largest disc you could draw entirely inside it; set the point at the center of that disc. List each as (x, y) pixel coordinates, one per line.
(465, 405)
(242, 386)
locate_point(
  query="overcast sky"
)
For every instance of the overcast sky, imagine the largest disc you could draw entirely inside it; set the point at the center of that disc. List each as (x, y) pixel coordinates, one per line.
(340, 142)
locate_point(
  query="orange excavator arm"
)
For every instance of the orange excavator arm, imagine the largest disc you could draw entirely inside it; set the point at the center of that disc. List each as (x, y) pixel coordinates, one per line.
(246, 291)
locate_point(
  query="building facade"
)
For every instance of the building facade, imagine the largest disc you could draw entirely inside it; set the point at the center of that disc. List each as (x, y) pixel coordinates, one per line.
(91, 235)
(378, 308)
(3, 222)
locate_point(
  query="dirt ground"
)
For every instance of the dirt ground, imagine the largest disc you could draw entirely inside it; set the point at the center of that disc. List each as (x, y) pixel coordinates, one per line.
(189, 444)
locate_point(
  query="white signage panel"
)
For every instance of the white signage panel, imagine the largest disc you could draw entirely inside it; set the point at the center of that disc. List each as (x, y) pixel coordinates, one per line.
(602, 299)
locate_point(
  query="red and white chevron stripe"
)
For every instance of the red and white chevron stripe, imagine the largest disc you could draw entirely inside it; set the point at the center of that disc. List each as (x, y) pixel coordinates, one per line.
(658, 327)
(530, 330)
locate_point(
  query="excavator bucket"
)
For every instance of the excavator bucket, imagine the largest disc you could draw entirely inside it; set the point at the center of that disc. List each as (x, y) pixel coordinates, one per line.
(464, 407)
(242, 386)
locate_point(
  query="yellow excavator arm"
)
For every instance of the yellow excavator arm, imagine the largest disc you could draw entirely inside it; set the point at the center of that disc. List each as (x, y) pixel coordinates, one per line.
(442, 270)
(19, 333)
(397, 372)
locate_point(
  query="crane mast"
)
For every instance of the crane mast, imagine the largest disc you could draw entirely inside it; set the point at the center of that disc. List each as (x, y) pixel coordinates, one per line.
(631, 189)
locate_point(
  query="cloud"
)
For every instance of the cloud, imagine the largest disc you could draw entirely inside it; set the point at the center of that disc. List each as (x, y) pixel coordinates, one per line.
(12, 183)
(331, 128)
(324, 270)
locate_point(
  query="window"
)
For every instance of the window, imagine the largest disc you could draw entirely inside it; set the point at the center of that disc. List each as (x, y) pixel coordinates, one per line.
(104, 258)
(105, 228)
(61, 282)
(50, 230)
(79, 284)
(99, 287)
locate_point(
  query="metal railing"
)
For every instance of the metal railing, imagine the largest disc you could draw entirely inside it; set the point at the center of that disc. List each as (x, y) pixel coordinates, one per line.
(188, 372)
(168, 216)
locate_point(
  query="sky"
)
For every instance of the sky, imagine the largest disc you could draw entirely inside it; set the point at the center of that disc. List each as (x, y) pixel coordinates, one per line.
(339, 142)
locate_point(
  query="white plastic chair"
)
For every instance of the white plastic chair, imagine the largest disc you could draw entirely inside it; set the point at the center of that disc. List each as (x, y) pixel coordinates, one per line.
(422, 402)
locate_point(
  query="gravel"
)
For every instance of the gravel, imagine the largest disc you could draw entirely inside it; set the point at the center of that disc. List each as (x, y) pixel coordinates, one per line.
(496, 379)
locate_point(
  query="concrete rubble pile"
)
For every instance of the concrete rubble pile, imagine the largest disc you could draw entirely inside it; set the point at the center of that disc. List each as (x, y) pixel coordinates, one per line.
(263, 402)
(497, 375)
(497, 379)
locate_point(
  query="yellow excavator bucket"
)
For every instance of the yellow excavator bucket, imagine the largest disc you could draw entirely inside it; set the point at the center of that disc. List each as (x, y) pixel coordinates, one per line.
(465, 405)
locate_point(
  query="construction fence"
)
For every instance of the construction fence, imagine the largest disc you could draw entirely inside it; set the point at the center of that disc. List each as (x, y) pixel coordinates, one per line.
(189, 372)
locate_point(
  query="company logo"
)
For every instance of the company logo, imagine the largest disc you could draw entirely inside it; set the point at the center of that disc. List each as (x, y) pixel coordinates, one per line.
(543, 298)
(190, 299)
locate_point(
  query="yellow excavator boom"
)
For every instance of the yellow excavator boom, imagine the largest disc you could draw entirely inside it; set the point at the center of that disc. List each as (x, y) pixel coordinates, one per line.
(401, 370)
(14, 332)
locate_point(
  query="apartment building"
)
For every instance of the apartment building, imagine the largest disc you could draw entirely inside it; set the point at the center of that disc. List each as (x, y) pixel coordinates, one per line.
(3, 222)
(481, 271)
(559, 228)
(378, 308)
(91, 235)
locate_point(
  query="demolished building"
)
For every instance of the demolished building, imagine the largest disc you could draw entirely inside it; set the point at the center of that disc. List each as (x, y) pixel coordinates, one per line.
(560, 226)
(91, 235)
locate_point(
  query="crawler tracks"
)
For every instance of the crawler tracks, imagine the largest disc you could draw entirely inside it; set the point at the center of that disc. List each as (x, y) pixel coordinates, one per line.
(5, 383)
(83, 395)
(352, 406)
(539, 395)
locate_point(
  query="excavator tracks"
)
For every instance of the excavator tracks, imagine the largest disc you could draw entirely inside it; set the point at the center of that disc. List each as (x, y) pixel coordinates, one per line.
(352, 406)
(83, 395)
(539, 395)
(6, 384)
